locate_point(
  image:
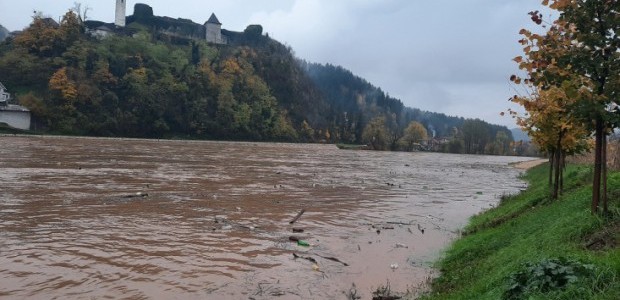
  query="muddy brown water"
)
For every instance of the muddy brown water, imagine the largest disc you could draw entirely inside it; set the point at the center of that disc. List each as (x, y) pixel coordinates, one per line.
(215, 223)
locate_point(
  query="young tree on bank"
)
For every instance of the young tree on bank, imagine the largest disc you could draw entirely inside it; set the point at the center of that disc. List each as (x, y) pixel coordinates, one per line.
(580, 55)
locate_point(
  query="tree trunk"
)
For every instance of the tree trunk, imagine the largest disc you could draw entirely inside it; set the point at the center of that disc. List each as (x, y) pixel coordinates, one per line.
(596, 181)
(562, 167)
(557, 159)
(551, 156)
(604, 174)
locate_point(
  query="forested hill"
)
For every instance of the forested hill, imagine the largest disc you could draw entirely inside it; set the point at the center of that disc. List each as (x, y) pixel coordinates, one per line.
(362, 101)
(143, 81)
(358, 103)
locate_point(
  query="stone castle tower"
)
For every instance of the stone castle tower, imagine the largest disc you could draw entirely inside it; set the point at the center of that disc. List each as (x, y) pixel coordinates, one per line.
(121, 6)
(214, 30)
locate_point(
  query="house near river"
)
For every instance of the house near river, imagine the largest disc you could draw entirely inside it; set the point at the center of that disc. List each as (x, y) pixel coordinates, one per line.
(13, 115)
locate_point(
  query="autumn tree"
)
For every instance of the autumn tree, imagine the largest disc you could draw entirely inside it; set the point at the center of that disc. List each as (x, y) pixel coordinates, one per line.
(593, 28)
(41, 38)
(394, 130)
(376, 134)
(552, 127)
(581, 48)
(307, 132)
(414, 133)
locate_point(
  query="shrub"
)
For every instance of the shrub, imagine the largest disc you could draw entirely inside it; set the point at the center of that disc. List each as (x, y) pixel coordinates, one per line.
(545, 276)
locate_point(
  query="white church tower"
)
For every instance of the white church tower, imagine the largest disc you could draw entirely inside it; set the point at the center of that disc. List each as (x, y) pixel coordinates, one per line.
(121, 6)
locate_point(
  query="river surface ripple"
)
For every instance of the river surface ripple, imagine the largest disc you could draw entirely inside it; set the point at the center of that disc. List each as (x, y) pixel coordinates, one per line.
(215, 223)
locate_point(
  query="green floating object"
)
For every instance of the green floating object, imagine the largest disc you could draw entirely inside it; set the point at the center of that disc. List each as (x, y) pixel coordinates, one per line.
(303, 243)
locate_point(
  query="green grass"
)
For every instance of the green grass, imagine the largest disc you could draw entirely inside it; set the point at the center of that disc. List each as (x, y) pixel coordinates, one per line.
(531, 228)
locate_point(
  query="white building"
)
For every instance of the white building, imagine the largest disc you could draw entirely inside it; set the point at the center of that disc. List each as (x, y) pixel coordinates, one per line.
(15, 116)
(101, 32)
(4, 95)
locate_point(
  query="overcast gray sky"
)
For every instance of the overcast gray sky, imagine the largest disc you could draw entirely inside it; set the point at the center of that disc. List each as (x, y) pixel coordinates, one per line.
(449, 56)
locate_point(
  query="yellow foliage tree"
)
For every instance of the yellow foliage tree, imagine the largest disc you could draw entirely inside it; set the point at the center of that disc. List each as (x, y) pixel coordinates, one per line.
(40, 38)
(554, 91)
(415, 133)
(60, 83)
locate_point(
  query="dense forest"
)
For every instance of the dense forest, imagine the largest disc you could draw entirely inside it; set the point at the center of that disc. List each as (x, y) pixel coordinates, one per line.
(146, 81)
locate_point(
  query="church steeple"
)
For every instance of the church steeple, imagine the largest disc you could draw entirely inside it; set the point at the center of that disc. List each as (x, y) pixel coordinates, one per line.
(121, 6)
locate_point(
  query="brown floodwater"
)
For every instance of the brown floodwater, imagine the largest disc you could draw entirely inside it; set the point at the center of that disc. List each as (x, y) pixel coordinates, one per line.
(85, 218)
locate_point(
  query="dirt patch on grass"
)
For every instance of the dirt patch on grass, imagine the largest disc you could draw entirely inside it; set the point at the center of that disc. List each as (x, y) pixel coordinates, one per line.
(604, 239)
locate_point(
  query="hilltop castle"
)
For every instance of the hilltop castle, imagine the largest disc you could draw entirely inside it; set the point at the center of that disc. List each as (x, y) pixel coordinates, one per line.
(211, 31)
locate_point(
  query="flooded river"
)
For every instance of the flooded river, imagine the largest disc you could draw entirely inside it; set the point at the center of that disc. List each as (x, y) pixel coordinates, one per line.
(85, 218)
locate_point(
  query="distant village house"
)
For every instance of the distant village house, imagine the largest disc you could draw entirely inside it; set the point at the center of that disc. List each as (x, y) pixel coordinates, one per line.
(15, 116)
(4, 95)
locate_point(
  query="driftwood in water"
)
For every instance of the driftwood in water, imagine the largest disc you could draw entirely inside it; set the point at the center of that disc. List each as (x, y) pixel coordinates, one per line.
(333, 259)
(305, 257)
(386, 297)
(301, 212)
(309, 258)
(399, 223)
(136, 195)
(420, 229)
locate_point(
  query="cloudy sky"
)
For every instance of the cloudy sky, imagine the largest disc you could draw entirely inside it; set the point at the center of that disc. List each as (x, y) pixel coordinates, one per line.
(449, 56)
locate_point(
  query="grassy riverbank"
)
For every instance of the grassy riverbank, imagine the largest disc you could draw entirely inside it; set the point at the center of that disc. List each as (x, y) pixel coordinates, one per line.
(560, 239)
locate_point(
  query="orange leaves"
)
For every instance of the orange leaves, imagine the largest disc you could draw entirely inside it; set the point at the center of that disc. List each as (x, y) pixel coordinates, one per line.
(560, 5)
(40, 38)
(60, 82)
(230, 66)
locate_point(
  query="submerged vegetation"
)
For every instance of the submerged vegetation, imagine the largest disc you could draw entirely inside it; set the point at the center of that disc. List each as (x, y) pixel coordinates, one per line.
(532, 247)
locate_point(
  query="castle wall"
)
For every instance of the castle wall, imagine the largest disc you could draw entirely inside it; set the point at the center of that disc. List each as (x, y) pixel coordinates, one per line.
(121, 7)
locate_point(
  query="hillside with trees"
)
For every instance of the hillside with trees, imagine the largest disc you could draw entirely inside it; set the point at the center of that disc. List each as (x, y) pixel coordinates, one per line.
(365, 111)
(155, 79)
